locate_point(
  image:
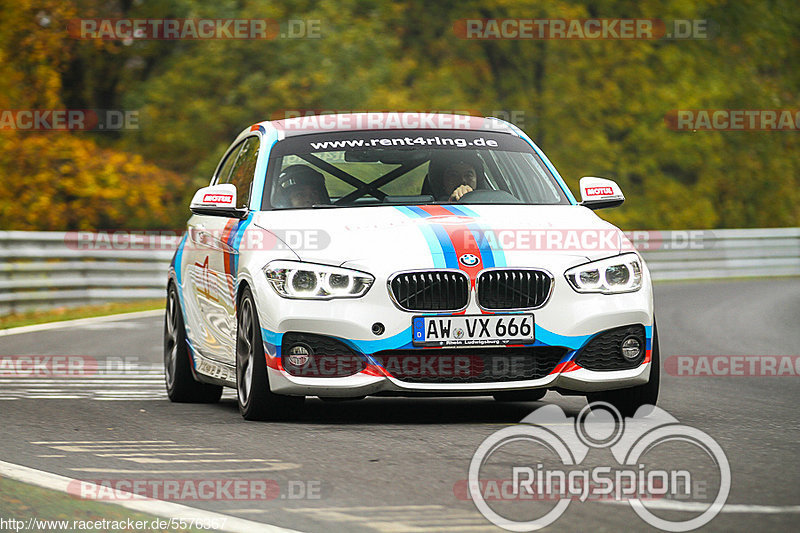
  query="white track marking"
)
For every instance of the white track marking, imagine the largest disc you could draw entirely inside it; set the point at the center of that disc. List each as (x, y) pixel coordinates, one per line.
(156, 460)
(109, 325)
(698, 507)
(401, 518)
(139, 382)
(78, 449)
(262, 468)
(89, 446)
(81, 322)
(103, 442)
(150, 454)
(128, 500)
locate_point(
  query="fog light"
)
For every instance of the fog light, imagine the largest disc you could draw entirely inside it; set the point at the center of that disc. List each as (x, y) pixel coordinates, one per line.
(631, 348)
(299, 355)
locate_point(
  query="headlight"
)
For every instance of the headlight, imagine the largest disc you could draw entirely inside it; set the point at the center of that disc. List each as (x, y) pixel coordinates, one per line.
(622, 273)
(294, 279)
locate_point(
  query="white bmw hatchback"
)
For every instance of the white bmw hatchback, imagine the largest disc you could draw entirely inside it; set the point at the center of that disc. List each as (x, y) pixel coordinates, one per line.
(343, 256)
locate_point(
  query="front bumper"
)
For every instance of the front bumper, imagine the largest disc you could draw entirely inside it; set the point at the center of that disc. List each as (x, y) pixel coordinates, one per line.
(579, 380)
(569, 320)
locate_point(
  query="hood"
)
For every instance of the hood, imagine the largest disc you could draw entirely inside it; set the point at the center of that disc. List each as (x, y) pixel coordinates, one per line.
(396, 238)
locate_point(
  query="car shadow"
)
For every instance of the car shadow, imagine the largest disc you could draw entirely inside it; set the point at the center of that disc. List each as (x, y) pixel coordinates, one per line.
(391, 410)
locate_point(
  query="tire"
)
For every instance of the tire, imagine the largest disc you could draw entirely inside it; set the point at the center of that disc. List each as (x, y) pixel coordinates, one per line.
(256, 400)
(181, 385)
(533, 395)
(627, 401)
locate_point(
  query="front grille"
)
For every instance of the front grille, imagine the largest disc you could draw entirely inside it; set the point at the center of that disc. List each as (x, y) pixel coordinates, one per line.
(470, 365)
(604, 351)
(329, 358)
(513, 289)
(435, 290)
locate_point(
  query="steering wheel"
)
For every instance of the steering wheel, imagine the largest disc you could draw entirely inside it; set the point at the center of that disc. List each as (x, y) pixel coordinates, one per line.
(484, 196)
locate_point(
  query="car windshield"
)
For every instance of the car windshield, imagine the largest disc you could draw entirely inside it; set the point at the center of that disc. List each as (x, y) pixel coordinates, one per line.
(407, 167)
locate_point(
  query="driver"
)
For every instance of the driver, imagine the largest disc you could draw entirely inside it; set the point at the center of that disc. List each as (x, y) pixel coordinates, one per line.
(453, 177)
(300, 186)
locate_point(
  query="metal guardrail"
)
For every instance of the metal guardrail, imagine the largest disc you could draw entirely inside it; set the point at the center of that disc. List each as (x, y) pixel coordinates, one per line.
(49, 269)
(43, 269)
(726, 253)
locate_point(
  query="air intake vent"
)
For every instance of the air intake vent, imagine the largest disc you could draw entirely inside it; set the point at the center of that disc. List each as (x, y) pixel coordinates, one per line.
(471, 365)
(513, 289)
(435, 290)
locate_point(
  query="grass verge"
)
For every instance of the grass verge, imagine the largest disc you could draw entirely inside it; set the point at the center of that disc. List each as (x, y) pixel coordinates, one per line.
(56, 511)
(15, 320)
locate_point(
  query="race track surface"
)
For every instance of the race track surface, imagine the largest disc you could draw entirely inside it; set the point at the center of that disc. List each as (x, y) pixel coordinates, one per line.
(391, 464)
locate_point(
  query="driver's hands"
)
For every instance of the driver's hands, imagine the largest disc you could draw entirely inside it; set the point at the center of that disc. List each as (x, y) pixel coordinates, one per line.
(459, 192)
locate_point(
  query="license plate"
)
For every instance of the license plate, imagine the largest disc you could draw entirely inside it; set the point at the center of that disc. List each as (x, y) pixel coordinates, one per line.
(465, 330)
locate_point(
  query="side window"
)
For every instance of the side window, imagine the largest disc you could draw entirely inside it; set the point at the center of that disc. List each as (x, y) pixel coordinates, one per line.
(244, 170)
(225, 170)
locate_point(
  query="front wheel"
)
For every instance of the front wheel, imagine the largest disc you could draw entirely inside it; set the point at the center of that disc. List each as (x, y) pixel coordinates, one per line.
(256, 400)
(627, 401)
(181, 385)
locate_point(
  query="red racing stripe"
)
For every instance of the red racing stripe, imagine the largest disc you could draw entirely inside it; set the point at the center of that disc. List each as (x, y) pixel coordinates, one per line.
(461, 238)
(227, 258)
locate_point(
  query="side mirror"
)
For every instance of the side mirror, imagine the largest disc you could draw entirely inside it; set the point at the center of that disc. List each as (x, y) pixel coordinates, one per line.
(599, 193)
(217, 201)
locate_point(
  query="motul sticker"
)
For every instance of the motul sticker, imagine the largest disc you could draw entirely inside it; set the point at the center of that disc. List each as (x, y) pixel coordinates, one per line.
(218, 198)
(599, 191)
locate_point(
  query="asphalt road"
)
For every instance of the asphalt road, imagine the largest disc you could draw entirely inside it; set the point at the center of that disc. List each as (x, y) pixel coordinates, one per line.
(391, 464)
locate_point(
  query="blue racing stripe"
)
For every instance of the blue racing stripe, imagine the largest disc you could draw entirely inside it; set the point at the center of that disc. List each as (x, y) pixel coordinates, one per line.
(450, 259)
(445, 243)
(177, 259)
(434, 244)
(492, 257)
(235, 242)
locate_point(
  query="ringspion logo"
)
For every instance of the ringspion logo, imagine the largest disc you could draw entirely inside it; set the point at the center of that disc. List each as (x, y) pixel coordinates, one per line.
(542, 459)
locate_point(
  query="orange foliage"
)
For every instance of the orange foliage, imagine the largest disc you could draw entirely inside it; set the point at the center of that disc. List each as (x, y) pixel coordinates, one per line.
(58, 181)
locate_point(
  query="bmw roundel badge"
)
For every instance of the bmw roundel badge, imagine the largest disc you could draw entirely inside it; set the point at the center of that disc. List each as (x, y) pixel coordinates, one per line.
(469, 260)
